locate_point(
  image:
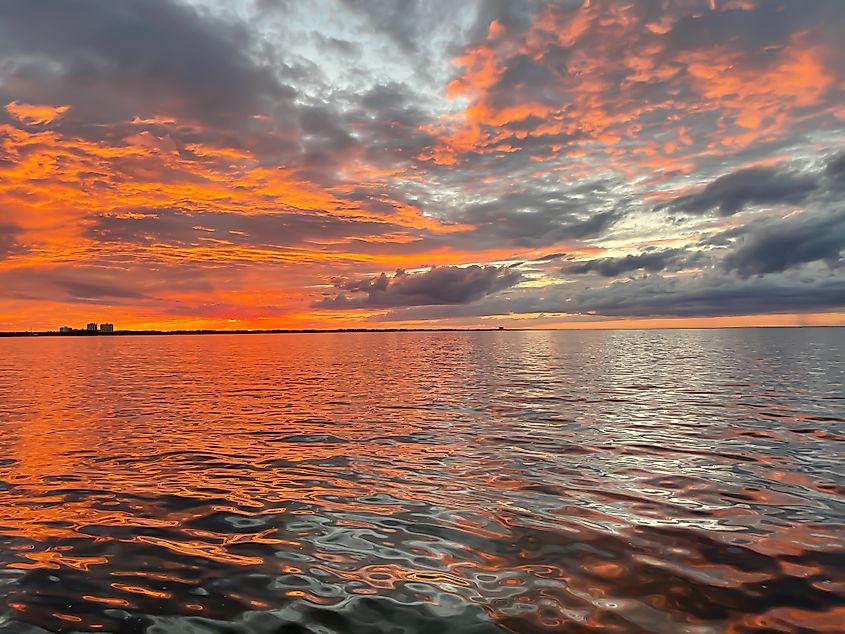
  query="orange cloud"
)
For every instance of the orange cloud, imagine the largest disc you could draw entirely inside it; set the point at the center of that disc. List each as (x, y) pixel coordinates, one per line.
(35, 115)
(597, 64)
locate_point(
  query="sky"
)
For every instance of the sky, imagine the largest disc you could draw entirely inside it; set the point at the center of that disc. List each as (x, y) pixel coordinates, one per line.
(421, 163)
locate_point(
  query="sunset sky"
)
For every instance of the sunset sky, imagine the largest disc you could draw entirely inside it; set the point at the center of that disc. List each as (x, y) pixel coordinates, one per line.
(381, 163)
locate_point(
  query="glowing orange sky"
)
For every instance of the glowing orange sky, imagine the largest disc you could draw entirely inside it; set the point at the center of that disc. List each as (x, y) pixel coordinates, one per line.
(575, 154)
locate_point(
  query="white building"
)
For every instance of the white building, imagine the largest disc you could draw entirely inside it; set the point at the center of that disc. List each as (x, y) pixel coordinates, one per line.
(106, 327)
(91, 327)
(65, 329)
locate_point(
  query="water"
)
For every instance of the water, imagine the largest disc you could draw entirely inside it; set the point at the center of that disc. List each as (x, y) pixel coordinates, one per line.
(662, 481)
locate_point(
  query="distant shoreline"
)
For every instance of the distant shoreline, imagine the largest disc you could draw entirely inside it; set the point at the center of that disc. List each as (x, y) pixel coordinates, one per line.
(316, 331)
(275, 331)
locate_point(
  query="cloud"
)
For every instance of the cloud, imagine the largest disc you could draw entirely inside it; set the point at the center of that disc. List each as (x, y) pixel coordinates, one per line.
(616, 74)
(538, 218)
(835, 168)
(9, 244)
(438, 285)
(185, 227)
(411, 23)
(731, 193)
(105, 283)
(96, 290)
(708, 296)
(116, 60)
(31, 114)
(649, 260)
(405, 23)
(549, 257)
(773, 246)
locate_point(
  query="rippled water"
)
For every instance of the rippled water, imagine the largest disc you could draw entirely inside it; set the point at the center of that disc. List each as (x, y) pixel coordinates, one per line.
(662, 481)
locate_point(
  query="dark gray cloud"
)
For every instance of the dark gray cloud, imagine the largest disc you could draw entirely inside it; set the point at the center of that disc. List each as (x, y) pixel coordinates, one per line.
(111, 283)
(835, 168)
(773, 246)
(389, 120)
(731, 193)
(550, 257)
(219, 84)
(88, 289)
(9, 244)
(709, 296)
(183, 227)
(650, 260)
(119, 59)
(537, 218)
(439, 285)
(514, 15)
(759, 31)
(523, 76)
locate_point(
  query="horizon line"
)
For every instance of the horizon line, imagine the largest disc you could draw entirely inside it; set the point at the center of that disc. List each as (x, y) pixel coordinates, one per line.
(242, 331)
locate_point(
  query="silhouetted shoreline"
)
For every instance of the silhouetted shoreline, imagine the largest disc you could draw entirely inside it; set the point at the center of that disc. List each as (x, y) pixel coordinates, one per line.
(118, 333)
(306, 331)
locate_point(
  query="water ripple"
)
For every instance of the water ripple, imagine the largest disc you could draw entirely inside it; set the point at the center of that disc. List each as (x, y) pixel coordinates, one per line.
(672, 481)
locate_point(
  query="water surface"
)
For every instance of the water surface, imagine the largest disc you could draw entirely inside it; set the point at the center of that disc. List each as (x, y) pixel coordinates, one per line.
(657, 481)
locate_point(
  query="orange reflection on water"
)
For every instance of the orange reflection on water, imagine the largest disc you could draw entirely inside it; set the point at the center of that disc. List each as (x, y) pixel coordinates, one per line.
(529, 481)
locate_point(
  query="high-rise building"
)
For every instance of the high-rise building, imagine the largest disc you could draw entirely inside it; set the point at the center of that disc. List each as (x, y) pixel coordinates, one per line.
(65, 329)
(92, 327)
(106, 327)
